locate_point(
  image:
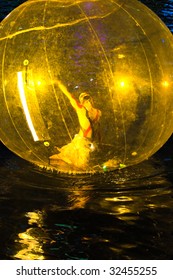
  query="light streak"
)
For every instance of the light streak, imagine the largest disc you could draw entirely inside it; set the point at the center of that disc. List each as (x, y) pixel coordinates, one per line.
(25, 106)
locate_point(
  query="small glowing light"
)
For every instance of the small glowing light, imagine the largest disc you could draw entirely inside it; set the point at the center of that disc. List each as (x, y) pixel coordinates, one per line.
(39, 83)
(134, 154)
(122, 83)
(47, 144)
(121, 56)
(122, 165)
(104, 167)
(25, 62)
(165, 83)
(92, 147)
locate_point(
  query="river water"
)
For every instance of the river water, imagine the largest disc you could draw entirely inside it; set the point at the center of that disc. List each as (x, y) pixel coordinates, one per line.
(125, 214)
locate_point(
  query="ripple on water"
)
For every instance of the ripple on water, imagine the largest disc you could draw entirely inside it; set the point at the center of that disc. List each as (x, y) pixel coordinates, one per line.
(125, 214)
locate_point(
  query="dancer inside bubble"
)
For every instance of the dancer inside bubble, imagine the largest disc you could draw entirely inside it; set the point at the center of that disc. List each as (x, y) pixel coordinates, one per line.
(77, 152)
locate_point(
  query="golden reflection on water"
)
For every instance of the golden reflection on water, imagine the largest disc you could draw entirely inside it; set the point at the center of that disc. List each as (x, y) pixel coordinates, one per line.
(120, 198)
(31, 241)
(78, 199)
(126, 206)
(120, 209)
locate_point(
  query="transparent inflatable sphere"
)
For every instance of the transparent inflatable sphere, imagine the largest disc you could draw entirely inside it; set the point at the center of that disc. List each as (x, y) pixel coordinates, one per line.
(85, 86)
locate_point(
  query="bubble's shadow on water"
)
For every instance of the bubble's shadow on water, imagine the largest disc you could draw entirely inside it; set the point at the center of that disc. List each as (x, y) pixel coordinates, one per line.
(126, 214)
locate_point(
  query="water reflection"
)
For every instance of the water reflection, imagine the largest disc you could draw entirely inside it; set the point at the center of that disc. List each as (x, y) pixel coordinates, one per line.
(120, 215)
(30, 242)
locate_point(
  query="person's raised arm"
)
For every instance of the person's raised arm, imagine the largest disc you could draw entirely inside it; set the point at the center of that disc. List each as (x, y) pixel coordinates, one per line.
(73, 101)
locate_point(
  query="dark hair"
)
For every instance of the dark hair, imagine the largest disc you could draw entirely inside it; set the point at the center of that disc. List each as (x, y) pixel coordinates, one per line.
(86, 97)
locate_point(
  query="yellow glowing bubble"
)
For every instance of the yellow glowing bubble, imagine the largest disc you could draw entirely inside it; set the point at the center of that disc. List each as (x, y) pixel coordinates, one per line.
(82, 84)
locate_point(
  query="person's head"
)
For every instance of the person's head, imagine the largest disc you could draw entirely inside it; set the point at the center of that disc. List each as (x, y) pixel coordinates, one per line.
(86, 100)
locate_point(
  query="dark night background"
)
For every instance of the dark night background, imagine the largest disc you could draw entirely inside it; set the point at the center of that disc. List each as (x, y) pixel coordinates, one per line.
(121, 215)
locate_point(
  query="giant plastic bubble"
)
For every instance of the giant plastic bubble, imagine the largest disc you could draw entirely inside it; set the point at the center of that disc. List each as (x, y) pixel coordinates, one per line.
(85, 86)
